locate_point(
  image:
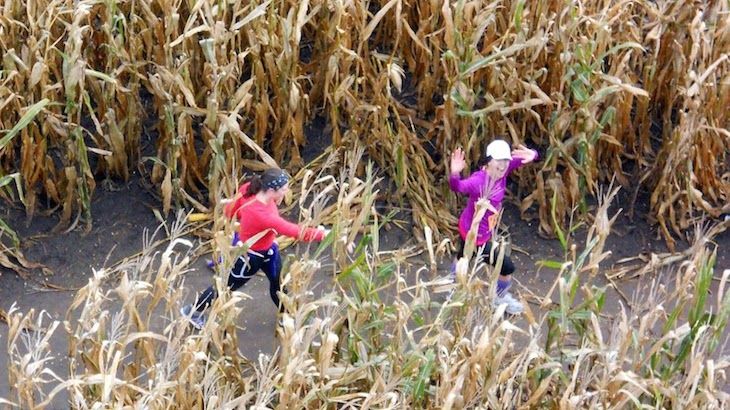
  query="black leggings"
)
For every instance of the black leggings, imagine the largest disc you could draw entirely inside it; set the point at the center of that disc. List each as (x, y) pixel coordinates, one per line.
(486, 256)
(243, 271)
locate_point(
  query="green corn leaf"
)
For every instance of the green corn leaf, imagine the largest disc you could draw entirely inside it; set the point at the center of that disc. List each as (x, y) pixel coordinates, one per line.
(5, 229)
(7, 179)
(579, 91)
(509, 51)
(550, 264)
(100, 75)
(556, 225)
(26, 119)
(420, 385)
(518, 14)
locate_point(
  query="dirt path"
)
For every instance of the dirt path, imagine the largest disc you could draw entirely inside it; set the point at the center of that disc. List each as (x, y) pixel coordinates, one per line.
(121, 216)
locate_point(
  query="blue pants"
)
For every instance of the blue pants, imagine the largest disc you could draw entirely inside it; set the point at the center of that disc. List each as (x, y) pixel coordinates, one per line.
(244, 269)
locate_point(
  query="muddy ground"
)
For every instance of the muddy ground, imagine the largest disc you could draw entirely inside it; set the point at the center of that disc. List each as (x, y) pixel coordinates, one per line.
(121, 215)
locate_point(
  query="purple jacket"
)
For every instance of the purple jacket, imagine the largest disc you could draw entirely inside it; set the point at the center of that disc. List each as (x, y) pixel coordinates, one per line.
(478, 185)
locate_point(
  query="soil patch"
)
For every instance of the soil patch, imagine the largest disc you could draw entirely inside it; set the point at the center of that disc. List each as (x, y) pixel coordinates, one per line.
(122, 215)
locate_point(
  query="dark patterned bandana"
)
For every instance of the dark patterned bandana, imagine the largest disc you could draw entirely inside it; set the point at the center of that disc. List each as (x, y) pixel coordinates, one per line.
(278, 182)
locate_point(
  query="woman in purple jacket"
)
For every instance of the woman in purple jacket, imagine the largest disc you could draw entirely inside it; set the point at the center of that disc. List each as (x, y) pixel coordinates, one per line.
(489, 182)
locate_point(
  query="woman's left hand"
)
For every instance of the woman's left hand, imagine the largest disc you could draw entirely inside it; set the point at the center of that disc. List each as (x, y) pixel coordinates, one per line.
(524, 154)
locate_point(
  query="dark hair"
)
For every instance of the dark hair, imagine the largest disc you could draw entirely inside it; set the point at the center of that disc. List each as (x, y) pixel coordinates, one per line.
(483, 161)
(272, 178)
(487, 158)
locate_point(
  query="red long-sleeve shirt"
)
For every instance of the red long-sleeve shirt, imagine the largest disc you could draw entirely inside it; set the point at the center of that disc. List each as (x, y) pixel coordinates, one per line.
(255, 216)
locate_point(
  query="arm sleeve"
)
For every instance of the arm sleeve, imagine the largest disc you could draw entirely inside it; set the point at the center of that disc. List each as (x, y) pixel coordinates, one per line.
(231, 208)
(292, 230)
(470, 185)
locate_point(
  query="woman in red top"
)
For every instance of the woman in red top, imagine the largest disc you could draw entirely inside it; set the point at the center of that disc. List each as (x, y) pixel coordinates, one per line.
(255, 207)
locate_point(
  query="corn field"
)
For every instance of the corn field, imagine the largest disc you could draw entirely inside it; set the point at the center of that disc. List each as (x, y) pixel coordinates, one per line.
(631, 90)
(380, 336)
(187, 95)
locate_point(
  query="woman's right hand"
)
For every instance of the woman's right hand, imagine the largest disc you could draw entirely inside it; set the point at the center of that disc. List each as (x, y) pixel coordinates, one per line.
(457, 161)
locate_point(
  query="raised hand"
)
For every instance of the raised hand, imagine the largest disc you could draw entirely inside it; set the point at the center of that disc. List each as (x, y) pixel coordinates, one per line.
(457, 161)
(524, 154)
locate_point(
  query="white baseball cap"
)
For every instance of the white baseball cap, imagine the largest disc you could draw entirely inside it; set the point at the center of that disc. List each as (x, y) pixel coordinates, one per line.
(499, 149)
